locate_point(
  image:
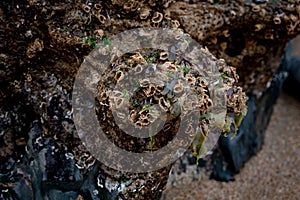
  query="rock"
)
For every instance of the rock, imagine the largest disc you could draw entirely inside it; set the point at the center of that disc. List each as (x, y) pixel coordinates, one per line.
(236, 150)
(292, 61)
(58, 194)
(232, 152)
(23, 190)
(43, 50)
(90, 188)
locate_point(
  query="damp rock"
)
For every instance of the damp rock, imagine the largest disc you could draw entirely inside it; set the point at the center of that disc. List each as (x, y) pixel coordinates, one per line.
(44, 44)
(59, 194)
(234, 150)
(292, 62)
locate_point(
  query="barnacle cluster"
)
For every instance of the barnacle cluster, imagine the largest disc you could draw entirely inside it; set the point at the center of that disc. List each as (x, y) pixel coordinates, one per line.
(221, 27)
(218, 25)
(165, 92)
(202, 20)
(80, 16)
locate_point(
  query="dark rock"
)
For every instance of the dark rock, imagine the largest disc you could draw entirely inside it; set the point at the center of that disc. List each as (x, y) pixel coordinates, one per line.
(90, 189)
(58, 194)
(14, 182)
(292, 62)
(23, 190)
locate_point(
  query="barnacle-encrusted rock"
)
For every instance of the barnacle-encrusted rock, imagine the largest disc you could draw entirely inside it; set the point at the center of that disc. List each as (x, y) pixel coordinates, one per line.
(165, 89)
(244, 33)
(44, 43)
(147, 95)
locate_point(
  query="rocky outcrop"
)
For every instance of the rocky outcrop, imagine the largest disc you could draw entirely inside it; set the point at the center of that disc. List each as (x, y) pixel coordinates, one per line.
(43, 45)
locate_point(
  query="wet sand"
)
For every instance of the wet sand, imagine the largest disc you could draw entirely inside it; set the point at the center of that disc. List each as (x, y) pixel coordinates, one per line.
(274, 173)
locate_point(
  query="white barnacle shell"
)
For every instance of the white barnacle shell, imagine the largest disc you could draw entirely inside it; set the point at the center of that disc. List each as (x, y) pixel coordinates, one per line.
(157, 17)
(165, 105)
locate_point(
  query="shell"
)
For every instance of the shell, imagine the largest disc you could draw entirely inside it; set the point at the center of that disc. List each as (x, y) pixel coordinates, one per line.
(163, 104)
(164, 55)
(86, 8)
(98, 6)
(157, 17)
(277, 20)
(119, 75)
(178, 88)
(144, 13)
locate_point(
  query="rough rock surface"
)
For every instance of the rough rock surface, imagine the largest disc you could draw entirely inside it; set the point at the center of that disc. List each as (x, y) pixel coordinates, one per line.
(292, 61)
(42, 46)
(231, 153)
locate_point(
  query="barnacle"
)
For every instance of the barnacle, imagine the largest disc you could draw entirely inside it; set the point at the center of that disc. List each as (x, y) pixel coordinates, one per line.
(203, 82)
(127, 6)
(142, 122)
(178, 88)
(190, 103)
(133, 115)
(165, 105)
(150, 91)
(119, 75)
(191, 80)
(99, 33)
(134, 6)
(164, 55)
(144, 13)
(258, 27)
(294, 18)
(144, 82)
(255, 8)
(85, 161)
(167, 15)
(102, 95)
(223, 45)
(277, 20)
(269, 36)
(86, 8)
(34, 47)
(157, 17)
(138, 58)
(263, 12)
(175, 24)
(261, 49)
(117, 99)
(208, 104)
(98, 6)
(138, 69)
(226, 33)
(101, 18)
(171, 66)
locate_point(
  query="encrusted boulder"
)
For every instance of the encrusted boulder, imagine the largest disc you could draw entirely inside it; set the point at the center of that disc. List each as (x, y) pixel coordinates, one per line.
(44, 43)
